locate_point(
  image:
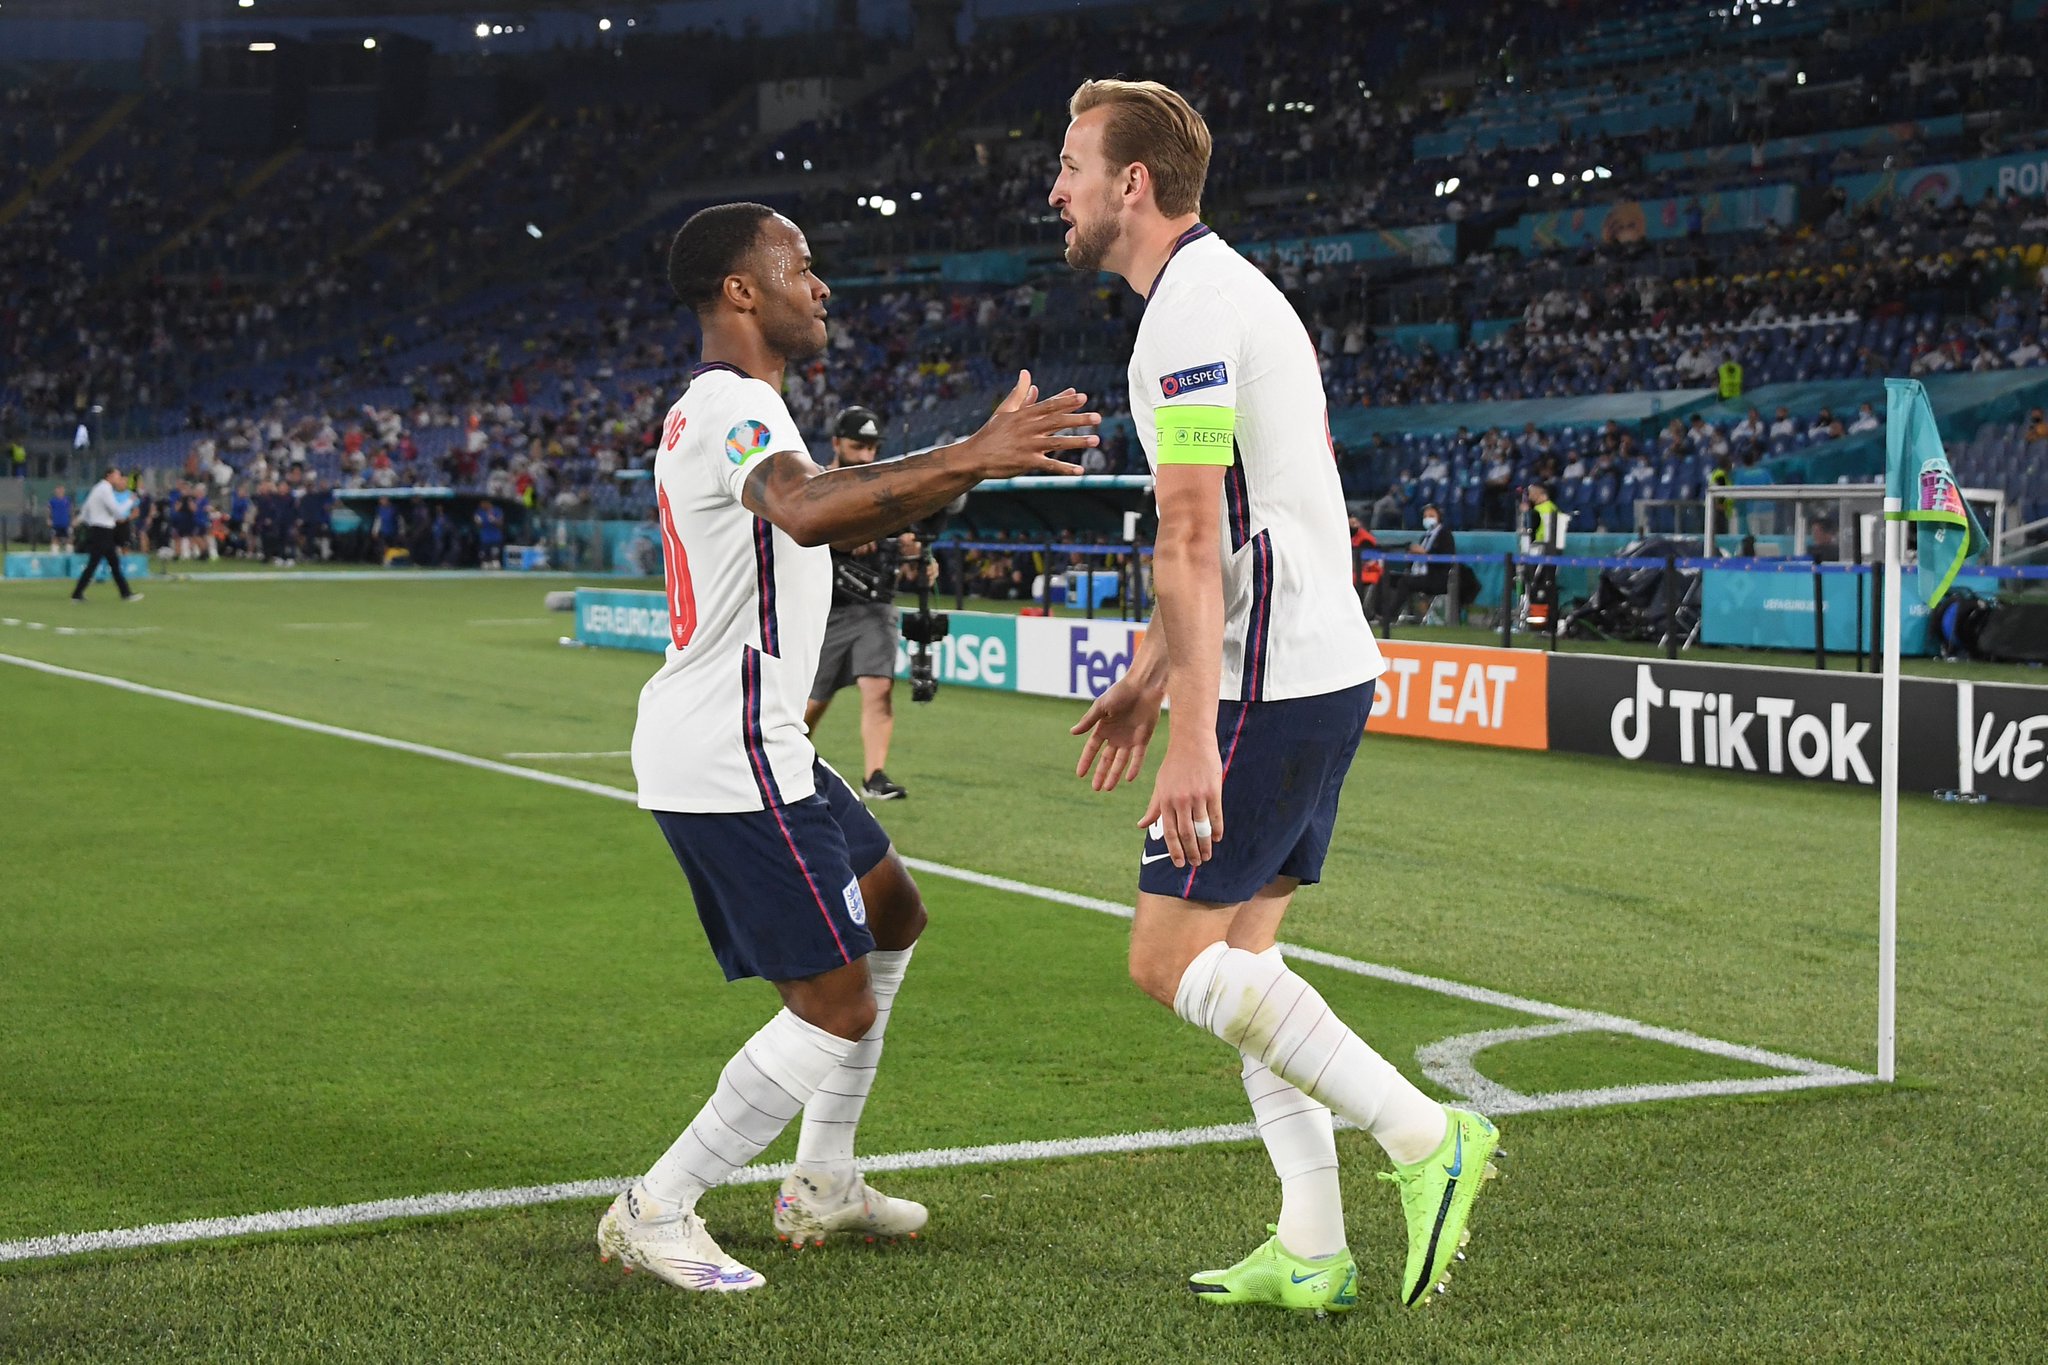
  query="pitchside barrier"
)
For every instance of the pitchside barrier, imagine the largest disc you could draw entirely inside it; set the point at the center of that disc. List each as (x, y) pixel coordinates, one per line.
(44, 564)
(1792, 723)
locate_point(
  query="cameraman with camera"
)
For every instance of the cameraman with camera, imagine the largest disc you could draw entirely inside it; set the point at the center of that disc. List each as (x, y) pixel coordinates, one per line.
(860, 632)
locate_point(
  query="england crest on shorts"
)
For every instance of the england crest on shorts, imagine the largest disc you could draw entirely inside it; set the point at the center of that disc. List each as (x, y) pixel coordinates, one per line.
(856, 908)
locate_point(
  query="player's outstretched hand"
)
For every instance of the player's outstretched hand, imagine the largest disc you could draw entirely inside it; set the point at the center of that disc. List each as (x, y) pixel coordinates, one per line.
(1119, 725)
(1024, 432)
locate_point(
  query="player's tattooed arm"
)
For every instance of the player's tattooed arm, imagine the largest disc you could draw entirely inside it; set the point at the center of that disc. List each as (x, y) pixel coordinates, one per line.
(860, 502)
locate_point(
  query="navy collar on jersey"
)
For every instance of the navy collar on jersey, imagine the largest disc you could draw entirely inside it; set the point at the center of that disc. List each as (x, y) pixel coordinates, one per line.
(711, 365)
(1195, 233)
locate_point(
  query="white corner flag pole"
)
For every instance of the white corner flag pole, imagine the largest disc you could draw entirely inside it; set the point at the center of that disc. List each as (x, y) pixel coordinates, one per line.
(1888, 809)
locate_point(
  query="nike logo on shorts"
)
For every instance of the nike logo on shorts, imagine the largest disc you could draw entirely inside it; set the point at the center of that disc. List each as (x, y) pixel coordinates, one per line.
(1153, 858)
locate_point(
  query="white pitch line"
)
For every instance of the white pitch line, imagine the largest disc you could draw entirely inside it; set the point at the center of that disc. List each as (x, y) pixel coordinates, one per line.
(1807, 1073)
(586, 753)
(78, 630)
(510, 621)
(324, 625)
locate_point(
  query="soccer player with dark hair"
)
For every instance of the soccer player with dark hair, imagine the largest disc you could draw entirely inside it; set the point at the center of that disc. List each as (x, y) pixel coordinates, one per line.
(1266, 655)
(794, 881)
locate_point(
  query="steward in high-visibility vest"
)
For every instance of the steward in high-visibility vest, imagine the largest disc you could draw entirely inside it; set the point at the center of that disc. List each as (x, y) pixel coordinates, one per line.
(1731, 379)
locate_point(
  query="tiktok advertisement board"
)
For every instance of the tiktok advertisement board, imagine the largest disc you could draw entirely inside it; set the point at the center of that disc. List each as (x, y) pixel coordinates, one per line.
(1783, 722)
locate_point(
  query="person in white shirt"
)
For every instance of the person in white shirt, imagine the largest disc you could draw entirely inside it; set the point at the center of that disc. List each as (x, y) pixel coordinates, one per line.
(1783, 425)
(794, 882)
(99, 520)
(1750, 428)
(1261, 644)
(1866, 420)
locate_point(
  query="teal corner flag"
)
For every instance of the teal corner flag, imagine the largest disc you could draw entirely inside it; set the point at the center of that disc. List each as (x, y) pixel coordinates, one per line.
(1917, 474)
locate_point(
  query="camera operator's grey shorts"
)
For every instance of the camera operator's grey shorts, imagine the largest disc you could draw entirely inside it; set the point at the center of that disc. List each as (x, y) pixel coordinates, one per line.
(860, 642)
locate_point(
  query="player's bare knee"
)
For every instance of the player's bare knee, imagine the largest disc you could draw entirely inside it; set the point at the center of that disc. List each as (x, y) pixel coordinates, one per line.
(1154, 975)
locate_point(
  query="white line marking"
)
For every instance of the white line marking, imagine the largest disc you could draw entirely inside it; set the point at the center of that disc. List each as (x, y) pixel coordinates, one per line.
(324, 625)
(511, 621)
(78, 630)
(1447, 1056)
(588, 753)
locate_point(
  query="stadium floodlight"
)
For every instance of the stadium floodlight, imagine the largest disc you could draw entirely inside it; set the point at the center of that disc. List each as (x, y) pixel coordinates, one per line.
(263, 47)
(533, 231)
(1557, 177)
(1587, 174)
(1439, 189)
(604, 26)
(916, 196)
(807, 163)
(1534, 180)
(246, 4)
(1756, 19)
(483, 30)
(369, 44)
(1451, 185)
(862, 201)
(1802, 78)
(778, 155)
(888, 208)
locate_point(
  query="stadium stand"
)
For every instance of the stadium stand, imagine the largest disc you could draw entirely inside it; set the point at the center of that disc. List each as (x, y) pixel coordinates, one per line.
(1505, 211)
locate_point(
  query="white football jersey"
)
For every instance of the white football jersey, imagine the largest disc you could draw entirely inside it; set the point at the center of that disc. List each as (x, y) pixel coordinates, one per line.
(1218, 335)
(721, 725)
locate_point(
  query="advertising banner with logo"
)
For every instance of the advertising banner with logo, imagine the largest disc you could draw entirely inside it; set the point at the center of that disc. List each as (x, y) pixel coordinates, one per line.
(1468, 693)
(1061, 657)
(1431, 245)
(980, 651)
(614, 619)
(1781, 721)
(2023, 173)
(2004, 731)
(42, 564)
(1650, 219)
(1775, 611)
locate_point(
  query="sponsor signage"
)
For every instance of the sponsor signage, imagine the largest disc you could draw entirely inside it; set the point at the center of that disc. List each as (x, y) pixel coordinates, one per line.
(622, 620)
(1785, 722)
(979, 651)
(2003, 732)
(1775, 611)
(1464, 692)
(1059, 657)
(40, 564)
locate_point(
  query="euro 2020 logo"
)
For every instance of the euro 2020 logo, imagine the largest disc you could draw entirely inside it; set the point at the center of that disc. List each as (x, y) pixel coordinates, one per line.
(745, 441)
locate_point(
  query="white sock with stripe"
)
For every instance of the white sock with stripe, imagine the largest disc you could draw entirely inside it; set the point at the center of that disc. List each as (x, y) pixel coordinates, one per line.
(761, 1089)
(1303, 1146)
(1261, 1008)
(824, 1145)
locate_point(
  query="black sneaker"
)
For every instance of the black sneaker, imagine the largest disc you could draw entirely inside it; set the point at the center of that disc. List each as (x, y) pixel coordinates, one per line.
(878, 787)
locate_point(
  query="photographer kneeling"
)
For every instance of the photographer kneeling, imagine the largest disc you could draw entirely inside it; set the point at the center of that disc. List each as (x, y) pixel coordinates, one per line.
(861, 633)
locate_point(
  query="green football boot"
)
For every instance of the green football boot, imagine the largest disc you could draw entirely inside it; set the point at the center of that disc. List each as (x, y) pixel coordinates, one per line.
(1272, 1276)
(1437, 1195)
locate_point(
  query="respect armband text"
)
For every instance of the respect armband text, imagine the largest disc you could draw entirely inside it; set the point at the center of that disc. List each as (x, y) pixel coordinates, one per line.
(1193, 433)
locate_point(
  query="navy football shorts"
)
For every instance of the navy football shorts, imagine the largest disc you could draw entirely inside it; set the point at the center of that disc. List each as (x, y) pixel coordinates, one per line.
(1283, 767)
(778, 890)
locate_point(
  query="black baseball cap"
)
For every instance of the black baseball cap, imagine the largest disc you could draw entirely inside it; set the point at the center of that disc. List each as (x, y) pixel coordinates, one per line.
(858, 424)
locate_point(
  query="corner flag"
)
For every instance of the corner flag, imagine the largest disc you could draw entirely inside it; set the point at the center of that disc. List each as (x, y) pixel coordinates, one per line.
(1920, 484)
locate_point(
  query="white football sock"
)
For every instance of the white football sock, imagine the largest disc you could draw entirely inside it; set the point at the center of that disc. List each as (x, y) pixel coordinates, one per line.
(1299, 1139)
(1261, 1008)
(824, 1145)
(761, 1089)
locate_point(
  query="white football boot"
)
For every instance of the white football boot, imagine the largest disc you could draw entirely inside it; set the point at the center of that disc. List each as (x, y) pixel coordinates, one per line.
(807, 1210)
(674, 1247)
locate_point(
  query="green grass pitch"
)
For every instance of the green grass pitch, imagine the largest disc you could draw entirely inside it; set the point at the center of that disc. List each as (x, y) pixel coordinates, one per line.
(247, 968)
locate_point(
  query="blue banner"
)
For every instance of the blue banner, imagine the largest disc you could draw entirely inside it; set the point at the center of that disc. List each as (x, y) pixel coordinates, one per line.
(1434, 245)
(1651, 219)
(1775, 610)
(1875, 137)
(616, 619)
(38, 564)
(1543, 132)
(2024, 174)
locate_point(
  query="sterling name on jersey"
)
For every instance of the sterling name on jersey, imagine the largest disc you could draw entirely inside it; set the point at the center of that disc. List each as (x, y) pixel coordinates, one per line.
(1225, 374)
(721, 726)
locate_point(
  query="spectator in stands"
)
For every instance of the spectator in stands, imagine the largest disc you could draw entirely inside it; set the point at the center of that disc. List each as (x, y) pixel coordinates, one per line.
(490, 535)
(1751, 428)
(2037, 426)
(1866, 420)
(1387, 510)
(60, 520)
(1782, 424)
